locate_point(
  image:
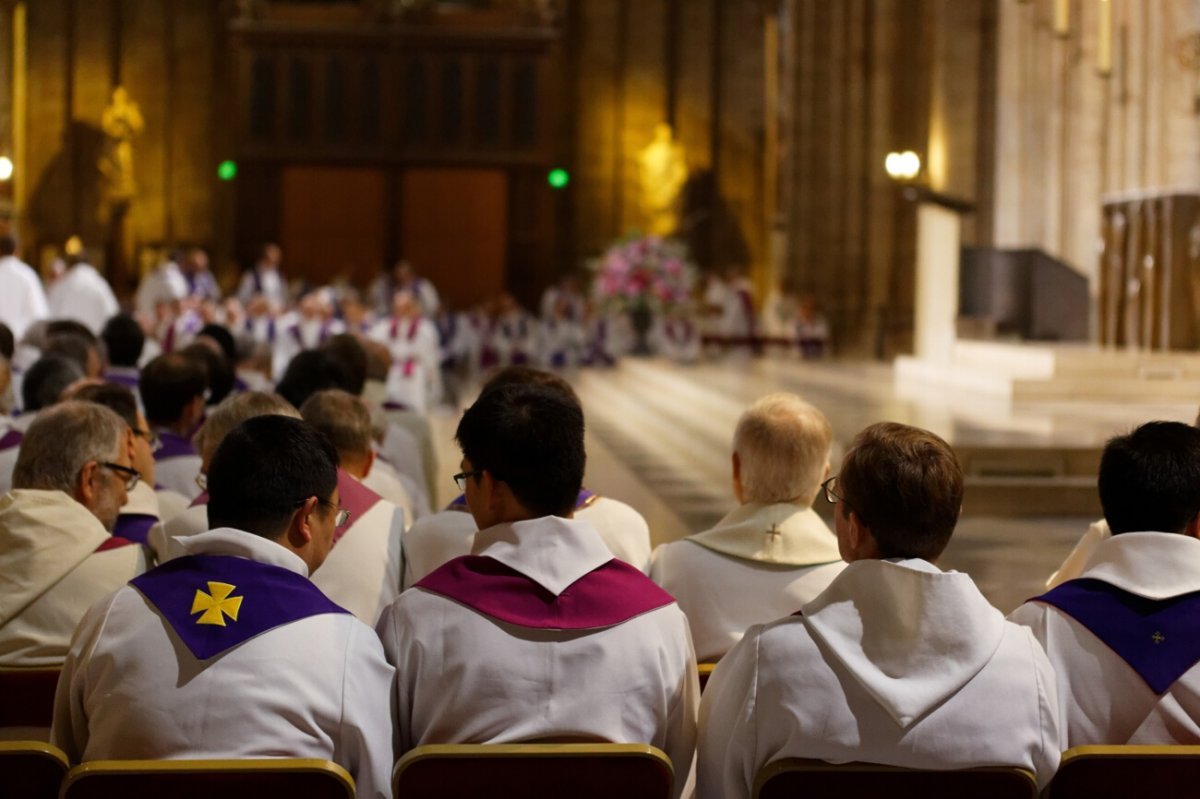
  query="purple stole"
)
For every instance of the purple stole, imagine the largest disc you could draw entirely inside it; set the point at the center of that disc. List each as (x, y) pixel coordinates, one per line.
(1158, 638)
(11, 439)
(130, 381)
(173, 446)
(354, 497)
(409, 364)
(134, 527)
(585, 500)
(610, 594)
(216, 602)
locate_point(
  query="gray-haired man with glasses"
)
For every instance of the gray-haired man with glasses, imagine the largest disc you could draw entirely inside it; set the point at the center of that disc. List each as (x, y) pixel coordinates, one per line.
(56, 549)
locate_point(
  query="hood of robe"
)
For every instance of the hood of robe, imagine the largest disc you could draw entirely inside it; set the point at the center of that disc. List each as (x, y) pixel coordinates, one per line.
(909, 633)
(44, 535)
(782, 533)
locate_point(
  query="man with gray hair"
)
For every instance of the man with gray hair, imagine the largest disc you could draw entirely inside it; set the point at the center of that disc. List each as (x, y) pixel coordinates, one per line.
(772, 553)
(57, 554)
(364, 569)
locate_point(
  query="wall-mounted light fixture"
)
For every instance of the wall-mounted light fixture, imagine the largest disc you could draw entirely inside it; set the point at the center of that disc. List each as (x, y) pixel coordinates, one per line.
(6, 169)
(902, 166)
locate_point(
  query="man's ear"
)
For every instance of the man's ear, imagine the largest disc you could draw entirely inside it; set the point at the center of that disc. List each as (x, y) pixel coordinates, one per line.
(739, 491)
(862, 543)
(370, 462)
(300, 532)
(85, 485)
(1193, 527)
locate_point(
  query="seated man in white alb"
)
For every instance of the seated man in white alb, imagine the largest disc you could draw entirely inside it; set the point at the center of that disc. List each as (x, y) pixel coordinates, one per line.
(229, 651)
(57, 553)
(897, 662)
(172, 388)
(540, 633)
(363, 572)
(773, 553)
(447, 534)
(1123, 636)
(220, 423)
(82, 294)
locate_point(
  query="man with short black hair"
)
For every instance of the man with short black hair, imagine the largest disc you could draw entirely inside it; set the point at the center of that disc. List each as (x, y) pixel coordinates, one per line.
(124, 341)
(79, 349)
(173, 390)
(57, 554)
(1122, 636)
(534, 634)
(897, 662)
(273, 667)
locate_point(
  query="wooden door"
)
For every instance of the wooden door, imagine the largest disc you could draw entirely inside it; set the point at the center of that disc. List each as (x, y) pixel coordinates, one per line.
(333, 223)
(454, 231)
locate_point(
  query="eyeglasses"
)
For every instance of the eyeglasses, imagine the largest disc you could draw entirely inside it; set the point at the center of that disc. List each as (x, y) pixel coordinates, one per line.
(831, 496)
(339, 520)
(202, 481)
(151, 438)
(132, 476)
(460, 479)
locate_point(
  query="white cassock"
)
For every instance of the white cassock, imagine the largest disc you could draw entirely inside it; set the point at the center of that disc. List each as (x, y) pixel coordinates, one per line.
(896, 663)
(758, 564)
(414, 379)
(1077, 561)
(363, 570)
(450, 533)
(84, 295)
(139, 515)
(314, 687)
(22, 298)
(737, 317)
(677, 339)
(614, 660)
(192, 520)
(511, 340)
(266, 282)
(563, 343)
(384, 481)
(176, 464)
(57, 561)
(407, 446)
(163, 285)
(297, 333)
(1126, 677)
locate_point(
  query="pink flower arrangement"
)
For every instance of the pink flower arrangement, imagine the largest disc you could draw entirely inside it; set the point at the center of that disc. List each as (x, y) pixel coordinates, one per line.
(643, 271)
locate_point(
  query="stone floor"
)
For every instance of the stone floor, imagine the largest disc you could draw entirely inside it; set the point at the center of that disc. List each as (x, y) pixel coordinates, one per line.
(659, 438)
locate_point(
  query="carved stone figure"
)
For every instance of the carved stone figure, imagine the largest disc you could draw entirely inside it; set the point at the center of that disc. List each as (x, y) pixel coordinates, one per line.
(662, 171)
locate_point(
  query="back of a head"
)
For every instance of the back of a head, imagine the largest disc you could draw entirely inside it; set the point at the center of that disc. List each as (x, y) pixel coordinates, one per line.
(1150, 479)
(264, 469)
(379, 360)
(782, 444)
(906, 485)
(223, 339)
(342, 418)
(217, 370)
(530, 437)
(528, 376)
(350, 355)
(57, 327)
(124, 340)
(168, 385)
(307, 373)
(115, 397)
(8, 245)
(61, 441)
(46, 380)
(232, 412)
(74, 348)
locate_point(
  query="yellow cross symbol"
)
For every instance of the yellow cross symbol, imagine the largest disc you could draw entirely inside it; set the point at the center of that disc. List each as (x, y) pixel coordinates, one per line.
(1158, 638)
(218, 605)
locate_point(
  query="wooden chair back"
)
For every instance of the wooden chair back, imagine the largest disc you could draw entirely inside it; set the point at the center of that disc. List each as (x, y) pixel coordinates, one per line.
(793, 778)
(534, 771)
(27, 696)
(276, 778)
(31, 769)
(1110, 772)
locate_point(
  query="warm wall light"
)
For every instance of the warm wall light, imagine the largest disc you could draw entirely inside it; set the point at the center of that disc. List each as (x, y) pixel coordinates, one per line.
(902, 166)
(6, 168)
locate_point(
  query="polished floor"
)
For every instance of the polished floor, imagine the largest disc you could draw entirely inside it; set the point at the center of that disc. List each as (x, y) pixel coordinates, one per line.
(659, 438)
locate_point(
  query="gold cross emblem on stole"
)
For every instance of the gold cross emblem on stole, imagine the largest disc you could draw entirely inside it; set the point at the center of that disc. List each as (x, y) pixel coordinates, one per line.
(217, 604)
(1158, 637)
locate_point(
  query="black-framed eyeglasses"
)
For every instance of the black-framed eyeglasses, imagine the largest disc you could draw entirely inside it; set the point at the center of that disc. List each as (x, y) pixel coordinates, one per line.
(460, 479)
(831, 494)
(132, 476)
(202, 481)
(150, 437)
(339, 520)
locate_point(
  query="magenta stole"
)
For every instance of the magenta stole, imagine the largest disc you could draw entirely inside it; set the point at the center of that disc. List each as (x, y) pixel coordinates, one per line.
(610, 594)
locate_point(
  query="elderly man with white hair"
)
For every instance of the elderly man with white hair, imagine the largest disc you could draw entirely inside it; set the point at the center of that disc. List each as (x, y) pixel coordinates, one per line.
(57, 554)
(772, 553)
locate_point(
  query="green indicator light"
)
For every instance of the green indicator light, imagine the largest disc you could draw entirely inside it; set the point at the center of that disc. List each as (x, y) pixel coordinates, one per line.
(227, 170)
(558, 178)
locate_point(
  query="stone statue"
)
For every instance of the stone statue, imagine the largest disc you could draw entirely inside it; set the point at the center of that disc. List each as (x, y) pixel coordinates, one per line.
(662, 171)
(121, 122)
